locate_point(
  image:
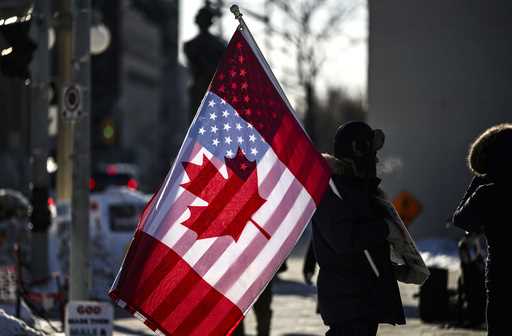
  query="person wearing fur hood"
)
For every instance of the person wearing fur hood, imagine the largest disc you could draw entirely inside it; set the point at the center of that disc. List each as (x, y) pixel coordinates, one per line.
(357, 288)
(485, 208)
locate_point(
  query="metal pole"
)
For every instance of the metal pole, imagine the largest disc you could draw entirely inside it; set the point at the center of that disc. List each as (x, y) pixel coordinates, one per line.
(63, 46)
(39, 137)
(80, 274)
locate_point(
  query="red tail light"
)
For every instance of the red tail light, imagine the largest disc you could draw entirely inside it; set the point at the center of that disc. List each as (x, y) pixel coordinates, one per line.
(92, 184)
(132, 184)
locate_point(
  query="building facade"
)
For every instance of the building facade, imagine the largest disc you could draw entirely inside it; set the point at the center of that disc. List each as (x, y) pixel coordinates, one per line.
(439, 74)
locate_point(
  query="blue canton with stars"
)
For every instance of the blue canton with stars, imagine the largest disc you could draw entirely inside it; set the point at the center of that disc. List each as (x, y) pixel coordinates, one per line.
(221, 131)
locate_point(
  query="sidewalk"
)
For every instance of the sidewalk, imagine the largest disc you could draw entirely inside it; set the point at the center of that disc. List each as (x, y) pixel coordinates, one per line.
(294, 306)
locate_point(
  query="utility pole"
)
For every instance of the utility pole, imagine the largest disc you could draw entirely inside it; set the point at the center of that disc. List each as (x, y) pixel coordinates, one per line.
(39, 142)
(73, 152)
(80, 275)
(64, 19)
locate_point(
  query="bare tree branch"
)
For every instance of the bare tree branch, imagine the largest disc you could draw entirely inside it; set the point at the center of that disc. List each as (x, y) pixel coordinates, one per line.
(333, 23)
(288, 9)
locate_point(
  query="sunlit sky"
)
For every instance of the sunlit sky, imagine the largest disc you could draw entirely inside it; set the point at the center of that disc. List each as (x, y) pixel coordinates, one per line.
(345, 65)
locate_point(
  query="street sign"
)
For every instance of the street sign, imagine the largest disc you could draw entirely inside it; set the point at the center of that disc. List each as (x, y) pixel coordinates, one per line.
(71, 102)
(407, 206)
(89, 318)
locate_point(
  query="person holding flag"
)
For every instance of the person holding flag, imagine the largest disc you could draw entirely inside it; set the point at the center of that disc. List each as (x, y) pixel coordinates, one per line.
(242, 189)
(357, 288)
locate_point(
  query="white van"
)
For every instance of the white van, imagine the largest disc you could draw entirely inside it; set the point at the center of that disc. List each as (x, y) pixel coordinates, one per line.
(114, 214)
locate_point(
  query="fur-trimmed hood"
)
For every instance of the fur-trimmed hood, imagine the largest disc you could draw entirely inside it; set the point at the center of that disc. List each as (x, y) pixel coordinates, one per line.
(493, 145)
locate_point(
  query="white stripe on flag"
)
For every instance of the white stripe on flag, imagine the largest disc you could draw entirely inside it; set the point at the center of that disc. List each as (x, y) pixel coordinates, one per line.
(255, 269)
(265, 165)
(199, 248)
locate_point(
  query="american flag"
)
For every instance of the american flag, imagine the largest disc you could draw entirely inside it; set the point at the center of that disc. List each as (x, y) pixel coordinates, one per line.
(220, 129)
(240, 193)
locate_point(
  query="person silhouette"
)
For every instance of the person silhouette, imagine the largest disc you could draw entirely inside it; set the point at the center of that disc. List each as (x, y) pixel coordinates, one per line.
(357, 286)
(484, 210)
(203, 54)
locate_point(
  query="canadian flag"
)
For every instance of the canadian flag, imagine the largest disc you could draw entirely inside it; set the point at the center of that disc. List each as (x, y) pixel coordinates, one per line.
(245, 184)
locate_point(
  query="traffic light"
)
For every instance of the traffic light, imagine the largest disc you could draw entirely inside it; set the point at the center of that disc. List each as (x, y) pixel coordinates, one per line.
(108, 132)
(17, 49)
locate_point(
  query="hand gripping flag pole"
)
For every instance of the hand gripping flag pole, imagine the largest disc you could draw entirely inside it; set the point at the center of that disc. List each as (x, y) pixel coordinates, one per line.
(241, 191)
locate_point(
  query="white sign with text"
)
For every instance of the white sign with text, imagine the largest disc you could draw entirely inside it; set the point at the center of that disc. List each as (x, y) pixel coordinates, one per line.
(89, 318)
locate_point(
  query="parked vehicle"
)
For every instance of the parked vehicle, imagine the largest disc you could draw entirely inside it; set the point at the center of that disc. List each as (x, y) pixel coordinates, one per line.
(114, 174)
(114, 214)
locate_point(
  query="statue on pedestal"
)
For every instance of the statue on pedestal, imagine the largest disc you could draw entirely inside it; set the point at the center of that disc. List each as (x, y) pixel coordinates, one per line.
(203, 54)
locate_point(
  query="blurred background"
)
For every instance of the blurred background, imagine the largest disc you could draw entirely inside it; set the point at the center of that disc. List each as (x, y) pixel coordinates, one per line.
(432, 75)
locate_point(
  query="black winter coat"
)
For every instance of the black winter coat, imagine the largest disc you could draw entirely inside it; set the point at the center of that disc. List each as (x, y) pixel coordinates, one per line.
(348, 288)
(486, 208)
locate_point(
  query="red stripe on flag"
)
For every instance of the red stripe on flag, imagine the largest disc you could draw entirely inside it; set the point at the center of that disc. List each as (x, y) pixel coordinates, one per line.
(169, 318)
(294, 139)
(205, 305)
(253, 291)
(139, 252)
(175, 296)
(264, 103)
(217, 319)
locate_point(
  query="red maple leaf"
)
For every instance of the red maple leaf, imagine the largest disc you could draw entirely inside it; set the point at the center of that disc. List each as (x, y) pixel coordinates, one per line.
(231, 201)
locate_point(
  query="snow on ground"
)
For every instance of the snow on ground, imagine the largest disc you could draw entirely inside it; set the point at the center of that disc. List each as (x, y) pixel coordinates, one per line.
(440, 252)
(11, 326)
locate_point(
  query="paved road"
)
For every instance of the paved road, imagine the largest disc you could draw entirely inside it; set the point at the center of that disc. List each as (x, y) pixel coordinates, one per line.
(294, 313)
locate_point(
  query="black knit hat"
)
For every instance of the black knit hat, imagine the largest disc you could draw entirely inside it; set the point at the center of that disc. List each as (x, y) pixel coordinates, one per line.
(357, 139)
